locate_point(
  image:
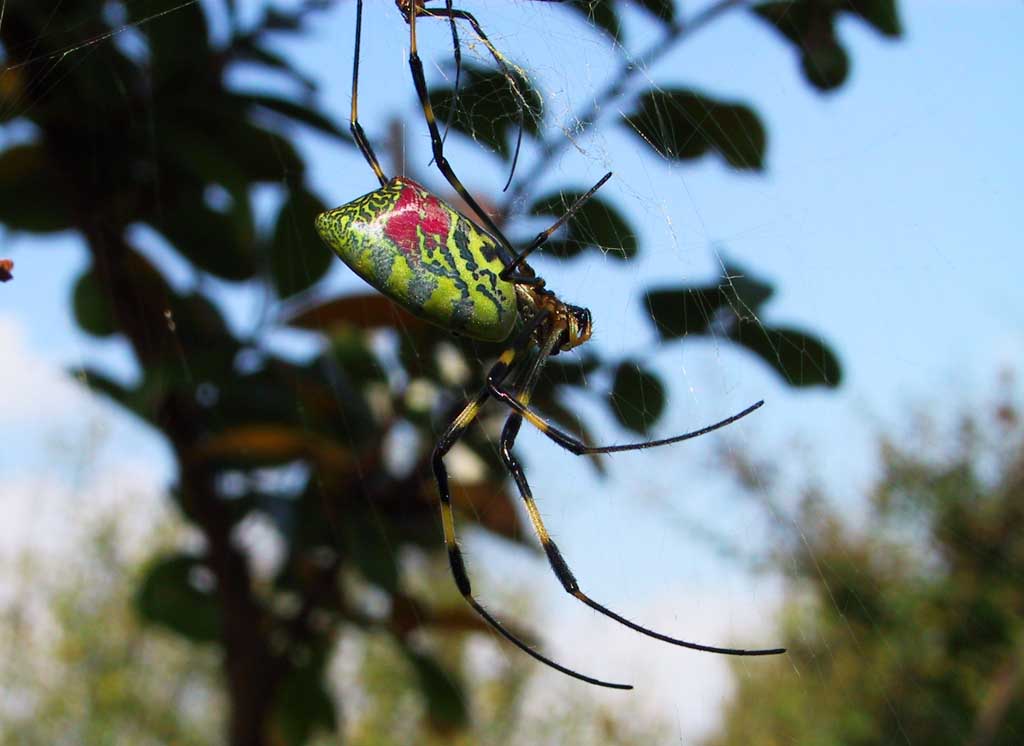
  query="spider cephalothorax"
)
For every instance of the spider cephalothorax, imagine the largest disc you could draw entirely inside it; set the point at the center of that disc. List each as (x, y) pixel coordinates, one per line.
(468, 278)
(569, 325)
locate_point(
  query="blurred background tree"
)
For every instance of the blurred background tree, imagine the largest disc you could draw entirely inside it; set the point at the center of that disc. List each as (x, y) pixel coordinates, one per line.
(80, 666)
(906, 626)
(147, 149)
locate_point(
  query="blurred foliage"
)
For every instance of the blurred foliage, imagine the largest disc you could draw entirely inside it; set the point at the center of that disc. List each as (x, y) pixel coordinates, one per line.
(908, 627)
(80, 667)
(133, 133)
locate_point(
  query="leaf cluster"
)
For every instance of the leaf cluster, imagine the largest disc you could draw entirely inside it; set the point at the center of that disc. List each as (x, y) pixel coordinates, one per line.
(907, 629)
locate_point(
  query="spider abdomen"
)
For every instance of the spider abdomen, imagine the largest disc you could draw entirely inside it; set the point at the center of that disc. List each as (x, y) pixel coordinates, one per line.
(427, 257)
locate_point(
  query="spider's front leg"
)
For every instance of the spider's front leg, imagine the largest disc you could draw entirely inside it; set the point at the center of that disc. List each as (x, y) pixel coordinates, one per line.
(576, 446)
(558, 563)
(456, 561)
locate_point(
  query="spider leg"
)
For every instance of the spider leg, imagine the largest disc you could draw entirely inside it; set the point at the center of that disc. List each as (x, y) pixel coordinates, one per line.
(455, 559)
(509, 273)
(437, 145)
(357, 130)
(576, 446)
(524, 391)
(561, 568)
(454, 13)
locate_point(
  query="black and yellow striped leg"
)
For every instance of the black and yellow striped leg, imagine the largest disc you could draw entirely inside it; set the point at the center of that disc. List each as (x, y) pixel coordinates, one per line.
(357, 130)
(455, 559)
(437, 144)
(574, 445)
(509, 273)
(452, 14)
(558, 563)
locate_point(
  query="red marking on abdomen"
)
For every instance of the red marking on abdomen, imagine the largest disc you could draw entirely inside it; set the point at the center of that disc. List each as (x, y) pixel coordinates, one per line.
(416, 209)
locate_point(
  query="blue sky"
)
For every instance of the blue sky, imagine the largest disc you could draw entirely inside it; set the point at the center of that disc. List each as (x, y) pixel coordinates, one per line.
(889, 219)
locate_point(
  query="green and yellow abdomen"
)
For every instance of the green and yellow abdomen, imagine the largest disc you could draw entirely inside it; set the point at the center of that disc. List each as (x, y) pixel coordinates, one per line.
(420, 252)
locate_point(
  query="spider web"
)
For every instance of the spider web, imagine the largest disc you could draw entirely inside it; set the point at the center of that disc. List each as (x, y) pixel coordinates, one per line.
(671, 523)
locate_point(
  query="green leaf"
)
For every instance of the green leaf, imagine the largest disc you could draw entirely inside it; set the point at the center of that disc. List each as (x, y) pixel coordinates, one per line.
(297, 256)
(442, 690)
(677, 312)
(637, 398)
(350, 348)
(170, 598)
(371, 550)
(881, 14)
(30, 194)
(298, 113)
(664, 10)
(596, 224)
(246, 50)
(682, 125)
(303, 704)
(800, 358)
(137, 400)
(212, 240)
(216, 143)
(571, 372)
(93, 310)
(599, 13)
(490, 107)
(682, 311)
(167, 62)
(810, 25)
(746, 292)
(825, 66)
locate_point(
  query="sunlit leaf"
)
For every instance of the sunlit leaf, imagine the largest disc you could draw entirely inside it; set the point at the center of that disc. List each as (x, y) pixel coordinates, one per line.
(170, 597)
(681, 125)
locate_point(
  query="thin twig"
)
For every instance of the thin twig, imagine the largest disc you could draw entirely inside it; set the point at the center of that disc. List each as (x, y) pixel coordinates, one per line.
(554, 144)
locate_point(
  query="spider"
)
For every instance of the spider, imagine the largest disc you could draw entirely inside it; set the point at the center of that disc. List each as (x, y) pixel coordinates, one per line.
(449, 270)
